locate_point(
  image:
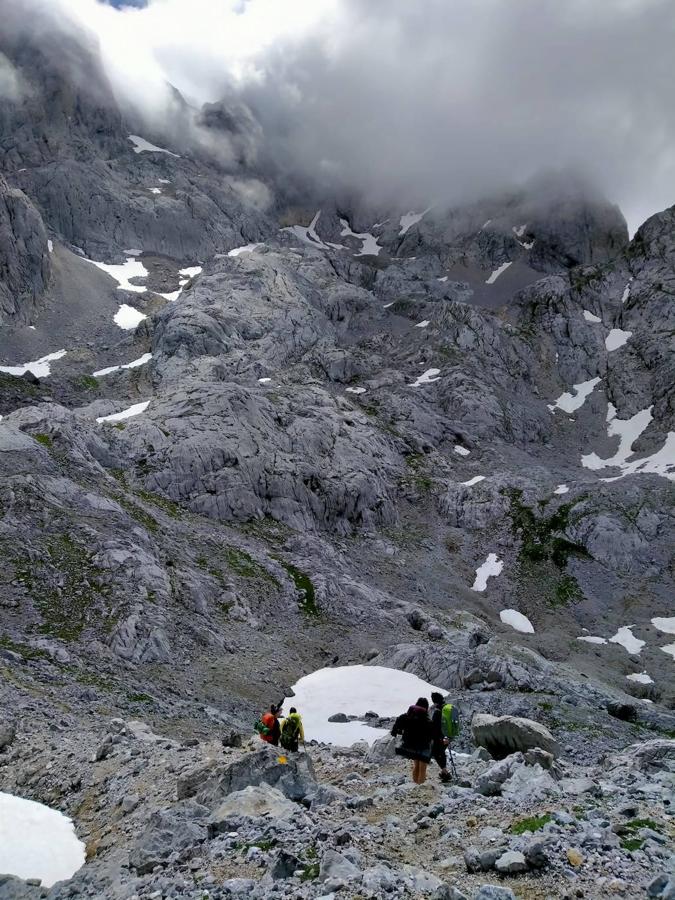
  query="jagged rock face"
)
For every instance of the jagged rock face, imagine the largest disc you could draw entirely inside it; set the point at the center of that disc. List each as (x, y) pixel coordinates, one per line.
(24, 256)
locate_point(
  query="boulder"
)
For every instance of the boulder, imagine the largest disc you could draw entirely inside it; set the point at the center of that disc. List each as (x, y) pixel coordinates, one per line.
(335, 867)
(7, 735)
(12, 888)
(382, 749)
(662, 887)
(536, 855)
(209, 784)
(284, 865)
(490, 782)
(254, 801)
(649, 756)
(624, 711)
(178, 829)
(502, 735)
(511, 862)
(494, 892)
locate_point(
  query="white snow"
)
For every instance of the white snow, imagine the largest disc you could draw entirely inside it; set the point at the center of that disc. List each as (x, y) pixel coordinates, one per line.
(190, 272)
(173, 296)
(461, 450)
(670, 649)
(570, 402)
(528, 245)
(444, 278)
(141, 146)
(627, 639)
(423, 324)
(616, 338)
(308, 235)
(426, 378)
(592, 639)
(369, 245)
(155, 190)
(516, 620)
(666, 625)
(355, 390)
(387, 305)
(132, 268)
(264, 380)
(353, 690)
(519, 231)
(474, 480)
(141, 361)
(41, 368)
(661, 462)
(163, 181)
(497, 272)
(490, 568)
(640, 677)
(134, 410)
(246, 248)
(127, 317)
(590, 317)
(37, 842)
(50, 246)
(561, 489)
(485, 224)
(626, 291)
(409, 219)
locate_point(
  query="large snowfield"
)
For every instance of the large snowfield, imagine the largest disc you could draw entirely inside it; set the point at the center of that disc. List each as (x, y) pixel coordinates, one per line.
(353, 690)
(37, 842)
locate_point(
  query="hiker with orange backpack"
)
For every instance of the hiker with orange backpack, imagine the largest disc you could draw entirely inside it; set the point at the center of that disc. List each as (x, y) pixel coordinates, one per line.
(268, 726)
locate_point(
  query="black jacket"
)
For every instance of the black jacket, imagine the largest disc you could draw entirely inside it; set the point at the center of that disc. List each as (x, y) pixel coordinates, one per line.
(416, 730)
(437, 725)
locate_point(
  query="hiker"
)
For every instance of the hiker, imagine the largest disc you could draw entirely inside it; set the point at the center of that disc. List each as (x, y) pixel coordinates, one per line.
(292, 731)
(415, 728)
(439, 740)
(268, 726)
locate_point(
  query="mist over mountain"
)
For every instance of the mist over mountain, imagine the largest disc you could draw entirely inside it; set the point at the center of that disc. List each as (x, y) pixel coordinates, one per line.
(330, 372)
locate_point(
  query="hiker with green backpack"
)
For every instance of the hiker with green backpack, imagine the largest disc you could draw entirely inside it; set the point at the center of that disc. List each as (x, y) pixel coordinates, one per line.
(292, 731)
(445, 726)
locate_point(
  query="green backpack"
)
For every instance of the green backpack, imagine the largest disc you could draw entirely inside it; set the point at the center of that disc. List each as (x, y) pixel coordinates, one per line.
(289, 733)
(450, 721)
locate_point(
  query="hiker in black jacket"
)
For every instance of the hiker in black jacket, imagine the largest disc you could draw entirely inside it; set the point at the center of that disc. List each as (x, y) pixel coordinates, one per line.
(415, 728)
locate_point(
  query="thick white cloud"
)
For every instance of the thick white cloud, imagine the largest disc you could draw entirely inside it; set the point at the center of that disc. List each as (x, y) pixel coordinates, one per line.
(427, 100)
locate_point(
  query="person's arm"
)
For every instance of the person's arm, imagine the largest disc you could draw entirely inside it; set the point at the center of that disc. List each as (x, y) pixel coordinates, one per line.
(301, 733)
(398, 725)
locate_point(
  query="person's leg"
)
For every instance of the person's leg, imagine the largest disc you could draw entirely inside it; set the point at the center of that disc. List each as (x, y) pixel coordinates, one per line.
(422, 773)
(416, 771)
(441, 759)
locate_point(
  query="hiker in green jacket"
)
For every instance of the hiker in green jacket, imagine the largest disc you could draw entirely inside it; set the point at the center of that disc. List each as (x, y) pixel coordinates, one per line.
(439, 740)
(292, 731)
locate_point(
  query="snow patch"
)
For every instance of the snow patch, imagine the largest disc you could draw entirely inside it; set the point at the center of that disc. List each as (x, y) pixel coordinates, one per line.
(264, 380)
(474, 480)
(127, 317)
(41, 368)
(143, 146)
(246, 248)
(155, 190)
(616, 338)
(308, 235)
(590, 317)
(489, 569)
(353, 690)
(37, 842)
(592, 639)
(355, 390)
(369, 245)
(443, 279)
(528, 245)
(132, 268)
(485, 224)
(640, 678)
(661, 462)
(141, 361)
(50, 246)
(409, 219)
(497, 272)
(627, 639)
(670, 649)
(561, 489)
(461, 450)
(516, 620)
(571, 402)
(519, 231)
(387, 305)
(423, 324)
(626, 291)
(134, 410)
(190, 272)
(426, 378)
(666, 625)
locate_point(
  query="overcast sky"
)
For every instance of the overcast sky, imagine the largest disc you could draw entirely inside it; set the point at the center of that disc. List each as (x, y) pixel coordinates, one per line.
(422, 98)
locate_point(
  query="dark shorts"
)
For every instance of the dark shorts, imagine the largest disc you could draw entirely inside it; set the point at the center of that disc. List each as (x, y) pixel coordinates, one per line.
(439, 754)
(414, 754)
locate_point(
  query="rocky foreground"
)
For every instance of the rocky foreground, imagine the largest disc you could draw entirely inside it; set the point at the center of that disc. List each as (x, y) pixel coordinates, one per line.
(165, 818)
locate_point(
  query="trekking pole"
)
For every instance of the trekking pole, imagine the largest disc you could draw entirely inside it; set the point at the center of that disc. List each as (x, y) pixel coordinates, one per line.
(452, 763)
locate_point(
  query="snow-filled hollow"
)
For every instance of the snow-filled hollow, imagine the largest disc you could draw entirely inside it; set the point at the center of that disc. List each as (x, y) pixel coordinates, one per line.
(407, 221)
(666, 625)
(489, 569)
(41, 368)
(132, 268)
(497, 272)
(616, 338)
(128, 413)
(37, 842)
(369, 244)
(353, 690)
(427, 377)
(134, 364)
(661, 462)
(517, 621)
(143, 146)
(569, 402)
(127, 317)
(627, 639)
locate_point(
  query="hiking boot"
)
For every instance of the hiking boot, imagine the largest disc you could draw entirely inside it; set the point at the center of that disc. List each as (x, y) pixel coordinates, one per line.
(445, 777)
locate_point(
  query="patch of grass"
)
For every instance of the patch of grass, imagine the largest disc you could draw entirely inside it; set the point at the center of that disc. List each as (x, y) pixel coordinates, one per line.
(88, 382)
(242, 563)
(168, 506)
(120, 426)
(119, 475)
(545, 705)
(417, 477)
(22, 649)
(65, 586)
(632, 843)
(533, 823)
(43, 439)
(304, 587)
(636, 824)
(140, 515)
(263, 845)
(139, 698)
(310, 872)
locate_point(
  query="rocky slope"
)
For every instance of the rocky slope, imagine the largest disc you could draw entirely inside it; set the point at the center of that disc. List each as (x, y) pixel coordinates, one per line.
(334, 419)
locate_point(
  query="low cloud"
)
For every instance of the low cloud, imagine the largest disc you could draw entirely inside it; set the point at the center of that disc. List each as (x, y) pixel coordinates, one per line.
(416, 101)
